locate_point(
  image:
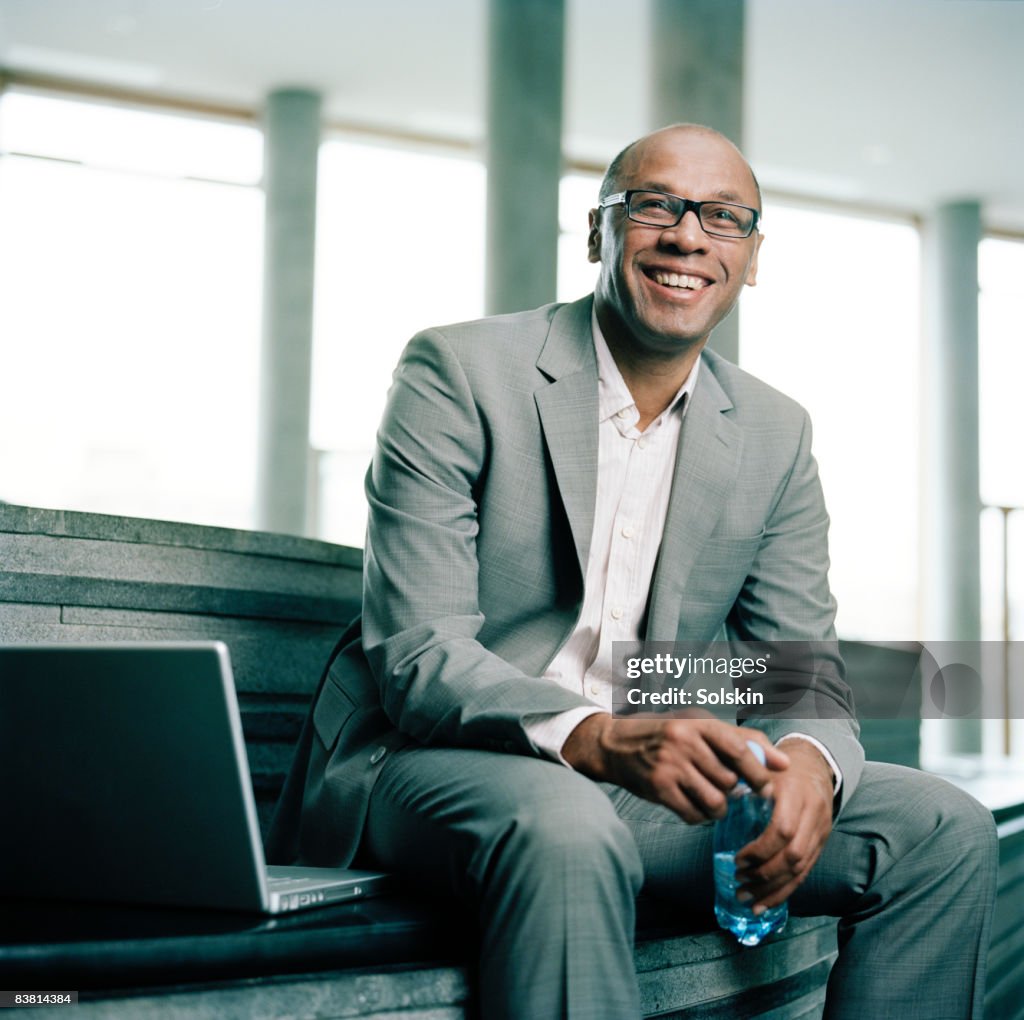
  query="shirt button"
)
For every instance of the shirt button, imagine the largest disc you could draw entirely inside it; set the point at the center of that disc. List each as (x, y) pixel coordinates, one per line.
(628, 531)
(593, 689)
(621, 414)
(641, 443)
(377, 755)
(617, 613)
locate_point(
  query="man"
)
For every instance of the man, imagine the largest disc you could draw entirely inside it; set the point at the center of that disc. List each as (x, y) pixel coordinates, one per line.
(546, 483)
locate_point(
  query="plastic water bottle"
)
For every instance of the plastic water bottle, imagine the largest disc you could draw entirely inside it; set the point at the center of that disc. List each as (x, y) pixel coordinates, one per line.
(746, 818)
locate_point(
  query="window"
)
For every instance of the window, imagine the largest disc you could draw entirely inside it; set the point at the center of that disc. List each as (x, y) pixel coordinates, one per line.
(1000, 369)
(130, 266)
(384, 272)
(577, 196)
(834, 323)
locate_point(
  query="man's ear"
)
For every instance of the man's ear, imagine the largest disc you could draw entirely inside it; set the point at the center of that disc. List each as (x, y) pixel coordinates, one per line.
(593, 237)
(751, 280)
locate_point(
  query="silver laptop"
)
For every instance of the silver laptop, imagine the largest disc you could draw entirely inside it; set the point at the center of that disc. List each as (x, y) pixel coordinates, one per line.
(124, 777)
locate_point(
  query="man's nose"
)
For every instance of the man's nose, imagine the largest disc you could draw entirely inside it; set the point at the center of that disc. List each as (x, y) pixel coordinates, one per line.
(687, 234)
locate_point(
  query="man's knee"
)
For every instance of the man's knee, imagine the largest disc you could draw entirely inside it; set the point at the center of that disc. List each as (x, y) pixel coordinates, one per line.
(949, 815)
(902, 827)
(921, 814)
(575, 829)
(968, 827)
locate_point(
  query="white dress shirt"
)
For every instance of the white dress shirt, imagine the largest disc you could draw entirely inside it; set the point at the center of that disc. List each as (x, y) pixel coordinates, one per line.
(634, 480)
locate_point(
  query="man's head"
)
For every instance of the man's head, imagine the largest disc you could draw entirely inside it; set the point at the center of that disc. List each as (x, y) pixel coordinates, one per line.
(661, 290)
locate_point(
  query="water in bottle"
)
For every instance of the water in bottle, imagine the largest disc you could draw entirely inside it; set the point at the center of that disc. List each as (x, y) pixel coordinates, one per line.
(746, 818)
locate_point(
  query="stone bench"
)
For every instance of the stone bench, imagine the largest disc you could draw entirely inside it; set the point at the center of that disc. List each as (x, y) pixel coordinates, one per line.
(280, 603)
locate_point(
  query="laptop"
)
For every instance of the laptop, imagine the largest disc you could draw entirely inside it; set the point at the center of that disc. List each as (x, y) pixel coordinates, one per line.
(124, 778)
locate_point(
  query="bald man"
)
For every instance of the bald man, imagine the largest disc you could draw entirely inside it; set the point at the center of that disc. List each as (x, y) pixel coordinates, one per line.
(546, 483)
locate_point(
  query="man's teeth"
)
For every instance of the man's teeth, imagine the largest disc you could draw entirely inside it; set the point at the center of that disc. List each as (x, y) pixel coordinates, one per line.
(678, 280)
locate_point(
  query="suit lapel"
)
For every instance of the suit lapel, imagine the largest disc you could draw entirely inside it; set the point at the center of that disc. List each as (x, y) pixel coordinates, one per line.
(706, 466)
(568, 412)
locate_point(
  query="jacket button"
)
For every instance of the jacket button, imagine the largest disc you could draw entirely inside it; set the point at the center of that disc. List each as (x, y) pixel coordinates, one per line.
(377, 755)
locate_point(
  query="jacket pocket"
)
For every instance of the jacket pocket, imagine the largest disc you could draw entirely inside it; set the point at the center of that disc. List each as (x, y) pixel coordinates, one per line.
(333, 709)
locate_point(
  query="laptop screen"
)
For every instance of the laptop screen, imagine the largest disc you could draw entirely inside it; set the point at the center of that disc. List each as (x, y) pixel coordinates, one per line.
(125, 777)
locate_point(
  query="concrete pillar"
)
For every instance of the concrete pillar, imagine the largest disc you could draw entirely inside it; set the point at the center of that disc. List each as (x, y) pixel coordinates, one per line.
(951, 560)
(291, 146)
(524, 151)
(697, 76)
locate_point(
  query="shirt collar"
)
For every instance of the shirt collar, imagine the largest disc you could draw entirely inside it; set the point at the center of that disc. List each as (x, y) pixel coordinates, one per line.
(613, 394)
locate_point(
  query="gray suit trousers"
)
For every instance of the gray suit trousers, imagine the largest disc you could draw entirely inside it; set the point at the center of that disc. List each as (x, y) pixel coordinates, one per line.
(551, 863)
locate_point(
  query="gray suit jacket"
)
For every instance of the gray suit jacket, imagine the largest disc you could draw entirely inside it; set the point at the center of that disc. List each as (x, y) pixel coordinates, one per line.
(481, 498)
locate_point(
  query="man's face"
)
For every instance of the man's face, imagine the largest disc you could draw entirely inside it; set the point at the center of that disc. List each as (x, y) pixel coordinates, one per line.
(637, 302)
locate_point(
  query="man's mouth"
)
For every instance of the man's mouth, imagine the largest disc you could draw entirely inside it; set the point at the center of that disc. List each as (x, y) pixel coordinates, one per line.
(680, 281)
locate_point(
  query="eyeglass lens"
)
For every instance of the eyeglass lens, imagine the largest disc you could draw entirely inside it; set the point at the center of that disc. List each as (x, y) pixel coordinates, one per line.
(724, 218)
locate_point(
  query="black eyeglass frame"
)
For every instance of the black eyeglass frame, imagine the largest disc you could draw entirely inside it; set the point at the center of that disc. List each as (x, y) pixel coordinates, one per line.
(623, 197)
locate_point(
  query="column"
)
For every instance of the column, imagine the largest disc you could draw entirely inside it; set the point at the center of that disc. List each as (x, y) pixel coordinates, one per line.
(697, 76)
(951, 546)
(524, 152)
(291, 145)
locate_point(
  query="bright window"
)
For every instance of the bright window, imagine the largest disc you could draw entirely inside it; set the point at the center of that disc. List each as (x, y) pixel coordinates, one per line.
(834, 323)
(129, 315)
(379, 281)
(1001, 369)
(577, 196)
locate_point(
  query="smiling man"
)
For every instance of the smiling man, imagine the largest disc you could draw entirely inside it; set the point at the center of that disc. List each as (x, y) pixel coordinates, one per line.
(662, 291)
(547, 483)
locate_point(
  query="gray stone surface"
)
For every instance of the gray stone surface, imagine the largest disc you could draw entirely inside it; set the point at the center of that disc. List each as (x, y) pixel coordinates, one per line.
(686, 972)
(693, 976)
(291, 148)
(90, 560)
(436, 993)
(524, 152)
(697, 64)
(950, 561)
(17, 519)
(697, 75)
(951, 587)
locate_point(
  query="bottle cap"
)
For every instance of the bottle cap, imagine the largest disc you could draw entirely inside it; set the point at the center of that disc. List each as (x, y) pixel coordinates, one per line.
(757, 750)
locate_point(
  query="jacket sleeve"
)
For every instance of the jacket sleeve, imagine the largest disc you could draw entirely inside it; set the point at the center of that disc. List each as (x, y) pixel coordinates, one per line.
(421, 613)
(786, 598)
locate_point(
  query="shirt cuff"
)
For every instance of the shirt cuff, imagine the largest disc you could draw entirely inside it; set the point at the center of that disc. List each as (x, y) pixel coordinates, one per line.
(837, 776)
(550, 730)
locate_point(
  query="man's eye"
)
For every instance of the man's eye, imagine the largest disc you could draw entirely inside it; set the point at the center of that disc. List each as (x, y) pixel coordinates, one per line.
(720, 214)
(653, 204)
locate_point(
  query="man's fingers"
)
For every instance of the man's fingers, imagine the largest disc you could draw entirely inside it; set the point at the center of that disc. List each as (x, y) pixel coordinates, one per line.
(784, 874)
(709, 746)
(758, 776)
(776, 838)
(688, 764)
(770, 878)
(675, 784)
(677, 800)
(777, 896)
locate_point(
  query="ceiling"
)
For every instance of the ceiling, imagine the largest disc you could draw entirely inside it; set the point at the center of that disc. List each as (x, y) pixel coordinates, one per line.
(898, 104)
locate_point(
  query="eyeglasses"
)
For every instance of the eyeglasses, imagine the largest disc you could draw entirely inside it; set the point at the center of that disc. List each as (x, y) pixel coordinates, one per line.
(659, 209)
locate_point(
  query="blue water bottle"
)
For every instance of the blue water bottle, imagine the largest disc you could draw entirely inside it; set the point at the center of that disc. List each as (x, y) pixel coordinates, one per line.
(746, 818)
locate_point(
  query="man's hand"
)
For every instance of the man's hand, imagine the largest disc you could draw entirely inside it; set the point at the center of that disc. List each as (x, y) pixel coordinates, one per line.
(773, 865)
(688, 762)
